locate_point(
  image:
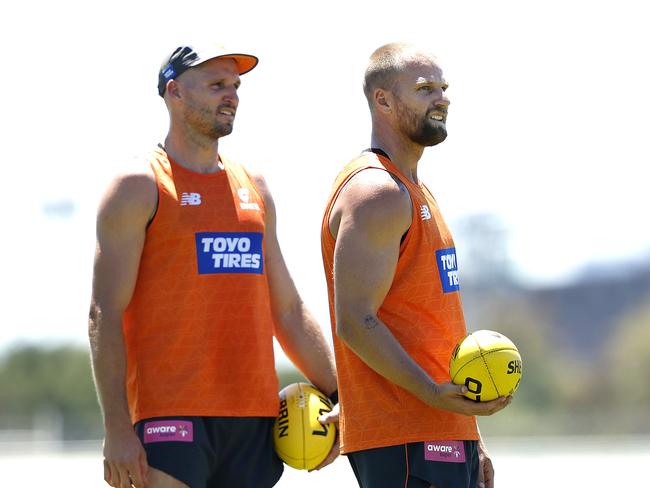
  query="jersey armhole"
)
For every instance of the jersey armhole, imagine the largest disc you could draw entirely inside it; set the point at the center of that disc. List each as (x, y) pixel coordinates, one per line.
(405, 237)
(154, 213)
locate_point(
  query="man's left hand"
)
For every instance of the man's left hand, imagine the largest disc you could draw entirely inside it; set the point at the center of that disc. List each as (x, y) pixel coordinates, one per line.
(332, 419)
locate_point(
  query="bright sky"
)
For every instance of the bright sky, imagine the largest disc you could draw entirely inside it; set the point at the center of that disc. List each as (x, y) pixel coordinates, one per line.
(547, 126)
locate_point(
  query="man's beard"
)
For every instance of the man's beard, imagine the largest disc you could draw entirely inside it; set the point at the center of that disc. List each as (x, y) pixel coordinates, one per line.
(420, 128)
(203, 121)
(429, 135)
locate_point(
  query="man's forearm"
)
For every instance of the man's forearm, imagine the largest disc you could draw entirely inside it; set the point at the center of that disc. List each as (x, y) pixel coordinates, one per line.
(108, 356)
(303, 341)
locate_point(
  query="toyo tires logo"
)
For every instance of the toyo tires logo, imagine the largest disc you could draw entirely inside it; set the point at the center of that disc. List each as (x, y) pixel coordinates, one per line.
(229, 252)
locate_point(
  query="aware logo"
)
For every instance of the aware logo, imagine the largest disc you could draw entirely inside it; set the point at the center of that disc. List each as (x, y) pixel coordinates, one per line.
(445, 451)
(168, 431)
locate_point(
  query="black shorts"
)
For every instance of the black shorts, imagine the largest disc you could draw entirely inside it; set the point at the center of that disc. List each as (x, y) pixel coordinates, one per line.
(213, 452)
(443, 464)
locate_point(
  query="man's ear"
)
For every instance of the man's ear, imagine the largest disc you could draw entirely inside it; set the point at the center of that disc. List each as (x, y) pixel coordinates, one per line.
(383, 100)
(173, 88)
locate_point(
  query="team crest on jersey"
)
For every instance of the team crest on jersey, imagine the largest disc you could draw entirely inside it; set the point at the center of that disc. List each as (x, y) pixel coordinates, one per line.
(245, 203)
(229, 252)
(448, 269)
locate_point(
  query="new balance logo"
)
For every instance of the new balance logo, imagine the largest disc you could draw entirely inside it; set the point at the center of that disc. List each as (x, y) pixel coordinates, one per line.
(425, 213)
(190, 199)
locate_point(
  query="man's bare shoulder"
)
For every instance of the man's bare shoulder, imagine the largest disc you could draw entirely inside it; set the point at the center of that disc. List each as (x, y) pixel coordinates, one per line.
(375, 189)
(131, 189)
(376, 200)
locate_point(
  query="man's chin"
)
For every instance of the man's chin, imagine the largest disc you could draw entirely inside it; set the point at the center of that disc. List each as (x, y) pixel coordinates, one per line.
(438, 140)
(432, 136)
(221, 130)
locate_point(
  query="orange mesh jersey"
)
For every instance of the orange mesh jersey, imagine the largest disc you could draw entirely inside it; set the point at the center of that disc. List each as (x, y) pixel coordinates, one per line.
(424, 312)
(199, 329)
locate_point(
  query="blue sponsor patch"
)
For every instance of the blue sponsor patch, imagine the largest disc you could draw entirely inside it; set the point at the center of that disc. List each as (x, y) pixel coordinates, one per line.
(448, 269)
(229, 252)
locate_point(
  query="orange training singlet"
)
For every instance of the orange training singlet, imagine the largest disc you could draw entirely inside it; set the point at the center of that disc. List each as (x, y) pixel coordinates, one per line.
(199, 329)
(424, 312)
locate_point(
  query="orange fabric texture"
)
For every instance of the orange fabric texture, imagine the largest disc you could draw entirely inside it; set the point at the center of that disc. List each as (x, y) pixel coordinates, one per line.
(199, 329)
(424, 312)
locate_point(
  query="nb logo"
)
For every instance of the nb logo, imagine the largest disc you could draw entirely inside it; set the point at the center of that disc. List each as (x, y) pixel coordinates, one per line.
(190, 199)
(425, 213)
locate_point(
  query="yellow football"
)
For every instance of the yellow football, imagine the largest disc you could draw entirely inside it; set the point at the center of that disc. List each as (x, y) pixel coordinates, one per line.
(488, 363)
(300, 439)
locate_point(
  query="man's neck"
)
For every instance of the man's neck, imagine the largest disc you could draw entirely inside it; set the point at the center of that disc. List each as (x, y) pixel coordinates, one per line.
(405, 155)
(198, 156)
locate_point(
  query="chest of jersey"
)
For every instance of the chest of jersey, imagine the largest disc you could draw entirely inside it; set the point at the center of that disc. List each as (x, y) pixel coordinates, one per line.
(218, 219)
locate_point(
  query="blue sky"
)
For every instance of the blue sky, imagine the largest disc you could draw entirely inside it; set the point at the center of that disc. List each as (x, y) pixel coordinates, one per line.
(547, 127)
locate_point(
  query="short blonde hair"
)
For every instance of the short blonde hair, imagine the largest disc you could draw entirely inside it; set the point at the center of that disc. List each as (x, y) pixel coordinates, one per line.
(386, 63)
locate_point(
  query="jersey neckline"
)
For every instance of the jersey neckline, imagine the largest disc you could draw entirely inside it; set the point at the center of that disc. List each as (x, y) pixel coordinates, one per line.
(223, 163)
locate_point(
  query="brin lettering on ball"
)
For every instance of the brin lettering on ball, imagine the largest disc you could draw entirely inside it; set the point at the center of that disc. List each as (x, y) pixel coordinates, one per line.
(488, 363)
(300, 440)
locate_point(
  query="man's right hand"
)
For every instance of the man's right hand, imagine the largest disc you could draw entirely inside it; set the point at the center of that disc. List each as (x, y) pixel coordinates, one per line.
(125, 460)
(451, 397)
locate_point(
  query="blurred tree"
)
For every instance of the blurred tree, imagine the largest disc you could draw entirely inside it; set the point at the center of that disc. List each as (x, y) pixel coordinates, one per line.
(544, 364)
(627, 362)
(51, 382)
(554, 385)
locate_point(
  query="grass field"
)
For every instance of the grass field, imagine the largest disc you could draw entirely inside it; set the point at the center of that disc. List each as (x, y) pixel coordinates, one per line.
(519, 463)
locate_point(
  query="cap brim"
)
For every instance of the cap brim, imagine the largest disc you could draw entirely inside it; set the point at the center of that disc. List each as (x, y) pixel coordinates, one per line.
(245, 62)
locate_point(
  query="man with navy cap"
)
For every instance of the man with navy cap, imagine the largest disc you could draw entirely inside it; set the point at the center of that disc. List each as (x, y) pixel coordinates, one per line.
(189, 289)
